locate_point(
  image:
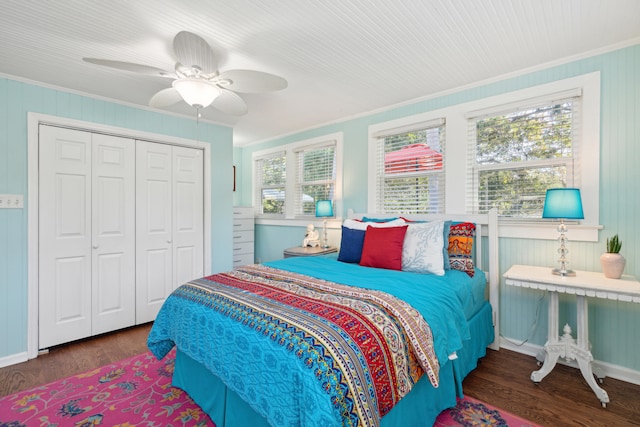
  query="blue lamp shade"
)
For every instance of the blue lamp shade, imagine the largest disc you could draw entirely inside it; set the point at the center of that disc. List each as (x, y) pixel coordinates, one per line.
(563, 203)
(324, 208)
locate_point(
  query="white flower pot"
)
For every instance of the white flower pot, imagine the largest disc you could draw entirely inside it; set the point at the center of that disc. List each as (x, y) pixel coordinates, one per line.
(612, 265)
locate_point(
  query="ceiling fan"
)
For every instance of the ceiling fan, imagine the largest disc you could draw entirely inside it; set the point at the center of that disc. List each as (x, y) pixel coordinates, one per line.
(197, 80)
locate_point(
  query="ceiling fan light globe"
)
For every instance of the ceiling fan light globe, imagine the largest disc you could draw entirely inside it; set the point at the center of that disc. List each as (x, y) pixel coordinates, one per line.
(196, 92)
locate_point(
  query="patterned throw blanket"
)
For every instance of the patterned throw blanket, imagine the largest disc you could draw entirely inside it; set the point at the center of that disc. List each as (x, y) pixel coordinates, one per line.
(363, 349)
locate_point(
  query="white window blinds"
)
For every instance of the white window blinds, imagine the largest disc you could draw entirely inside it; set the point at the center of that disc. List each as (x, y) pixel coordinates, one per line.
(516, 153)
(410, 168)
(270, 184)
(315, 176)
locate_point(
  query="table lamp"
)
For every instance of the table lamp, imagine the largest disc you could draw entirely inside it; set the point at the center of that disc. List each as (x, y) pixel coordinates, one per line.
(324, 209)
(563, 203)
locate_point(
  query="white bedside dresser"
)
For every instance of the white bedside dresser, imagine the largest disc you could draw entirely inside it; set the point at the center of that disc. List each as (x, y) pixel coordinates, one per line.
(243, 236)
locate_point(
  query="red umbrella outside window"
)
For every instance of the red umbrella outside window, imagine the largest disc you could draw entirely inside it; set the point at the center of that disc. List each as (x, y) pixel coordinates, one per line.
(412, 158)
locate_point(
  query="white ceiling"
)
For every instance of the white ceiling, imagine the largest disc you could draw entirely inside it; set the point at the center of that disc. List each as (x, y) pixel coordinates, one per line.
(341, 57)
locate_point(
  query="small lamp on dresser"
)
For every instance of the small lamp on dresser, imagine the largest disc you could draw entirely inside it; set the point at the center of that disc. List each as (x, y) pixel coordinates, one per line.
(563, 203)
(324, 209)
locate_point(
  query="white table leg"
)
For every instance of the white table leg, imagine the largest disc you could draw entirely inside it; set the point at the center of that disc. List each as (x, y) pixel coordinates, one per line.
(581, 349)
(552, 348)
(569, 348)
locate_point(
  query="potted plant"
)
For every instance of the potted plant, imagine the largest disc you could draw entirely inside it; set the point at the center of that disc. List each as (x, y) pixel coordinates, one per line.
(612, 262)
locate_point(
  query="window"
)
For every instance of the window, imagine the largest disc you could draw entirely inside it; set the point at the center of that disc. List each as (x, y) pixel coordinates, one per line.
(271, 174)
(289, 179)
(316, 174)
(502, 151)
(409, 164)
(517, 153)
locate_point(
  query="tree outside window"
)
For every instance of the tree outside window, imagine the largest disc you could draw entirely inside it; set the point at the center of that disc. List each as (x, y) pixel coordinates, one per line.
(271, 176)
(518, 155)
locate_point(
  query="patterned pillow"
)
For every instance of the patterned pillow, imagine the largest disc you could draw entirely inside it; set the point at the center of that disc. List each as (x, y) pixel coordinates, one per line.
(461, 236)
(422, 249)
(445, 239)
(382, 247)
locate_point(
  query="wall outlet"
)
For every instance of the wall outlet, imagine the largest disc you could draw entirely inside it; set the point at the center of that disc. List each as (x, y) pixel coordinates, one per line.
(11, 201)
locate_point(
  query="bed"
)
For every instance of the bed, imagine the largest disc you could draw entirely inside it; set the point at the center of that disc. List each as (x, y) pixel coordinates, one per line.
(316, 341)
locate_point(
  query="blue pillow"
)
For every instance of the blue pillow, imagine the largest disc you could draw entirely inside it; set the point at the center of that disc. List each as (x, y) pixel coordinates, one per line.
(367, 219)
(445, 250)
(351, 245)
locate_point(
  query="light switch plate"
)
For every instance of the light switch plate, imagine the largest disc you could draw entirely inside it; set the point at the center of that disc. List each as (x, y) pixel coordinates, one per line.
(11, 201)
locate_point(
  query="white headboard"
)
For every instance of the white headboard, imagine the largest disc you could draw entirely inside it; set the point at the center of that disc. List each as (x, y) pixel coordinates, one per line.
(486, 226)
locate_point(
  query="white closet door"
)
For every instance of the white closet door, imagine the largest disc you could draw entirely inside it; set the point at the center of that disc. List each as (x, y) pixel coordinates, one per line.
(188, 223)
(113, 233)
(154, 270)
(65, 235)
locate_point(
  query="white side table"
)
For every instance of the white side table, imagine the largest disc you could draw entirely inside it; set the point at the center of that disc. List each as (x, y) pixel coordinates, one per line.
(584, 284)
(308, 251)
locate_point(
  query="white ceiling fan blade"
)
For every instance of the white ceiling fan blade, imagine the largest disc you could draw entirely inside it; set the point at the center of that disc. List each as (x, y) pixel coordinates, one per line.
(230, 103)
(193, 51)
(248, 81)
(130, 66)
(165, 98)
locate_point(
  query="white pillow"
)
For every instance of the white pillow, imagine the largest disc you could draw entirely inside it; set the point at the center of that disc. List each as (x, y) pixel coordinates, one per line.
(422, 248)
(359, 225)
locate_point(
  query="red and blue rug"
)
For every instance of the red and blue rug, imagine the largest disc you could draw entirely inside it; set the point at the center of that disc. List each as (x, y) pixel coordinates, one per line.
(137, 392)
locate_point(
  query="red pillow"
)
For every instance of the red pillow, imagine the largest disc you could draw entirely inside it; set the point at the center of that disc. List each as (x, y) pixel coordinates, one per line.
(382, 247)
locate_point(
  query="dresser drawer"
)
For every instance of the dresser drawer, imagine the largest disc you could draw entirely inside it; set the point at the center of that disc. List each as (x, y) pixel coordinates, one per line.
(242, 213)
(243, 248)
(242, 259)
(241, 236)
(243, 224)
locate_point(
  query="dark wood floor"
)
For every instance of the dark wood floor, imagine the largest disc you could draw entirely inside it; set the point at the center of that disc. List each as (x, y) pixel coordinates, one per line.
(563, 398)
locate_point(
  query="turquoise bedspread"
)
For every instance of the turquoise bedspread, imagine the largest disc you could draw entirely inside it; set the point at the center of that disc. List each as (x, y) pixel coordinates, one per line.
(244, 360)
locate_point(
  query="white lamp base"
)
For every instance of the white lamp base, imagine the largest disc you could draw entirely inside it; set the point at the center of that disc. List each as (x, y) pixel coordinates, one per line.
(325, 241)
(559, 272)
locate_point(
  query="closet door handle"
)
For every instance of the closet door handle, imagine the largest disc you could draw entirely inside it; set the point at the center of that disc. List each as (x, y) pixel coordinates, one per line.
(169, 241)
(95, 246)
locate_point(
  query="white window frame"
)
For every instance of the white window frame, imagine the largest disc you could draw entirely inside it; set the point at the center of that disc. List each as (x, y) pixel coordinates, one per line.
(457, 144)
(299, 154)
(259, 187)
(571, 163)
(290, 217)
(377, 156)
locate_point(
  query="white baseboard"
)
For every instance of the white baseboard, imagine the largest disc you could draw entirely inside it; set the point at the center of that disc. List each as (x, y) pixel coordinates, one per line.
(610, 370)
(13, 359)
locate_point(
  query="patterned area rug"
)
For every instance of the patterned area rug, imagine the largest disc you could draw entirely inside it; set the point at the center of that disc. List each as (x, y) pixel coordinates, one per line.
(470, 412)
(134, 392)
(137, 392)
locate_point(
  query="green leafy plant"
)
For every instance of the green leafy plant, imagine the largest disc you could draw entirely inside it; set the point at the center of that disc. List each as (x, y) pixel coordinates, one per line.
(613, 245)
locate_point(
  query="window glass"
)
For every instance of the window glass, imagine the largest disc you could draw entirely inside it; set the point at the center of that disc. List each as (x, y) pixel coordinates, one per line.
(410, 169)
(517, 155)
(290, 179)
(316, 177)
(271, 174)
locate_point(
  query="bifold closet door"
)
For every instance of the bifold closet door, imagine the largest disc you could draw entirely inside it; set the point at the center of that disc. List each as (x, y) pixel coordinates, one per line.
(113, 234)
(86, 234)
(188, 215)
(169, 223)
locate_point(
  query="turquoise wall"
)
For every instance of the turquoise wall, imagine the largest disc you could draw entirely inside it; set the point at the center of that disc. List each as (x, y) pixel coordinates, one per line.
(614, 329)
(16, 100)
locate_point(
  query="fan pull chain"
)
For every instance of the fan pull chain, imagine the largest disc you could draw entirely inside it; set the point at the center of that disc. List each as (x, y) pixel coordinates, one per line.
(198, 116)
